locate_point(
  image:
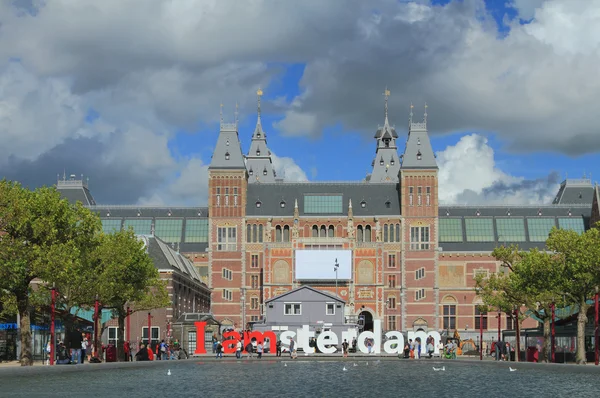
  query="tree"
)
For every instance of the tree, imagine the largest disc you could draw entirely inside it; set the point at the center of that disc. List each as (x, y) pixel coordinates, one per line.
(40, 232)
(127, 277)
(579, 255)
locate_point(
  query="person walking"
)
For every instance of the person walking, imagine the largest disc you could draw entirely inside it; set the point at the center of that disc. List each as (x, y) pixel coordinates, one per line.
(345, 348)
(259, 349)
(219, 350)
(238, 349)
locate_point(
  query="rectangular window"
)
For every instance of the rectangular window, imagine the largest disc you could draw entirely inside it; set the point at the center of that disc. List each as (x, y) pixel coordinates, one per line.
(254, 281)
(483, 272)
(110, 226)
(480, 316)
(428, 196)
(539, 228)
(254, 263)
(574, 224)
(451, 230)
(292, 309)
(419, 191)
(449, 317)
(510, 325)
(226, 239)
(391, 261)
(330, 309)
(140, 227)
(510, 230)
(112, 335)
(196, 230)
(410, 195)
(169, 230)
(218, 197)
(391, 322)
(419, 238)
(323, 204)
(480, 229)
(191, 341)
(254, 318)
(227, 295)
(155, 334)
(227, 274)
(420, 273)
(419, 294)
(254, 303)
(391, 280)
(392, 302)
(226, 196)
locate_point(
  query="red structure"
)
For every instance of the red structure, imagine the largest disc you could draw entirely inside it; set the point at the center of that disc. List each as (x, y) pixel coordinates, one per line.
(518, 353)
(499, 325)
(480, 335)
(553, 336)
(149, 330)
(52, 338)
(96, 325)
(596, 334)
(128, 326)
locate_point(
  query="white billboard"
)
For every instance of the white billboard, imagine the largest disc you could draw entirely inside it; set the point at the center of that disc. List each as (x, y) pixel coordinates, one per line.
(320, 264)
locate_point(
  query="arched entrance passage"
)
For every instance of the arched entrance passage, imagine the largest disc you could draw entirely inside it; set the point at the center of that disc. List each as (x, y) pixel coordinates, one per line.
(365, 321)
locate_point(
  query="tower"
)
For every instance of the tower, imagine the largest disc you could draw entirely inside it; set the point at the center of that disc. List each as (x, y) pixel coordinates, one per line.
(227, 200)
(419, 207)
(258, 161)
(386, 165)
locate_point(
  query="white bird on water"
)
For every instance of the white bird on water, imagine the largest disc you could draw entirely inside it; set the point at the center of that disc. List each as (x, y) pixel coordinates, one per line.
(344, 369)
(169, 372)
(284, 364)
(355, 364)
(511, 369)
(443, 368)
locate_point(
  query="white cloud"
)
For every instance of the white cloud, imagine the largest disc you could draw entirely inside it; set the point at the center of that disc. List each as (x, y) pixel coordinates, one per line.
(468, 174)
(526, 8)
(287, 169)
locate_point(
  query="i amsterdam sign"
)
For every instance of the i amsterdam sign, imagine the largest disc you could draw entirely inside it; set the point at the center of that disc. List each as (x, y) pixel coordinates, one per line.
(326, 341)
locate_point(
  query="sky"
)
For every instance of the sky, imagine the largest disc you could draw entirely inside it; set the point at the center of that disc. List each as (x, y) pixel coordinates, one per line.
(128, 93)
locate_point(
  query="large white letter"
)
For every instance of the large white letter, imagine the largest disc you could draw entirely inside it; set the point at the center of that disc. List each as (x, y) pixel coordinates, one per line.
(348, 335)
(286, 337)
(328, 338)
(436, 341)
(423, 337)
(375, 335)
(394, 338)
(304, 336)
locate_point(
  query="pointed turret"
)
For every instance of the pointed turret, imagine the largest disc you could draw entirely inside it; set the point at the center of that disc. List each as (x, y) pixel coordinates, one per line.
(418, 153)
(258, 160)
(387, 163)
(228, 151)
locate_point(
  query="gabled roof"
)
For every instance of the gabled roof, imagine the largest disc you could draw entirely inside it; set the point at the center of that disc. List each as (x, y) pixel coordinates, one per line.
(166, 258)
(306, 287)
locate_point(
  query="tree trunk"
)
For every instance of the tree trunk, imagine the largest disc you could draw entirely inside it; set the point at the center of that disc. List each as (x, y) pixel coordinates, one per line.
(25, 330)
(546, 350)
(121, 338)
(581, 322)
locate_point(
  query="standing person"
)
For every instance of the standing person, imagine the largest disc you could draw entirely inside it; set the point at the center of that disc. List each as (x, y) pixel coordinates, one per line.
(249, 350)
(84, 347)
(219, 349)
(369, 346)
(259, 349)
(345, 348)
(278, 347)
(417, 348)
(292, 348)
(127, 350)
(48, 352)
(238, 349)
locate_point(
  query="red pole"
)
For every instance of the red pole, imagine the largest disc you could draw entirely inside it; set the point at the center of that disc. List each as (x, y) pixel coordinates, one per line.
(499, 325)
(96, 327)
(128, 325)
(596, 334)
(518, 335)
(480, 335)
(553, 336)
(52, 337)
(149, 330)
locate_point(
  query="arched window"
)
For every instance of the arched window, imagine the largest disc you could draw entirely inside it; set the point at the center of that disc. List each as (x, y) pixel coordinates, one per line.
(397, 232)
(315, 231)
(249, 233)
(260, 233)
(368, 233)
(254, 227)
(278, 233)
(385, 233)
(331, 232)
(323, 233)
(286, 233)
(359, 233)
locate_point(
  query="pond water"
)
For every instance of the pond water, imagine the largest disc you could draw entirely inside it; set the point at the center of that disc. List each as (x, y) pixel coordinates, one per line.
(249, 378)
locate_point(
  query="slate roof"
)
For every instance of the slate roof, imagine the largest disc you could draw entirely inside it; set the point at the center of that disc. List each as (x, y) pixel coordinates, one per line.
(374, 195)
(228, 150)
(418, 153)
(165, 258)
(575, 191)
(75, 191)
(306, 287)
(258, 161)
(386, 165)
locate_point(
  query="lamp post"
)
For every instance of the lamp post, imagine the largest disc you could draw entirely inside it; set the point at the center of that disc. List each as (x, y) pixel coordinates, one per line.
(553, 333)
(499, 324)
(149, 329)
(596, 334)
(335, 269)
(96, 327)
(128, 324)
(480, 335)
(518, 335)
(52, 337)
(243, 303)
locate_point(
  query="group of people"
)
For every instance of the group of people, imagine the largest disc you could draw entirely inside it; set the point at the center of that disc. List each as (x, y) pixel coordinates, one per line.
(162, 351)
(253, 347)
(78, 351)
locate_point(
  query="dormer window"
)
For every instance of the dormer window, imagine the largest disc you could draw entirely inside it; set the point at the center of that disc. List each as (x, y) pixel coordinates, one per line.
(386, 142)
(227, 143)
(392, 162)
(381, 162)
(250, 172)
(282, 204)
(226, 155)
(257, 135)
(388, 204)
(258, 203)
(265, 171)
(477, 213)
(258, 152)
(418, 141)
(419, 155)
(363, 204)
(539, 212)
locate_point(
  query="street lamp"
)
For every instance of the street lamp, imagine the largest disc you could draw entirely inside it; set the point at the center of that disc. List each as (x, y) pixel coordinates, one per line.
(52, 333)
(335, 269)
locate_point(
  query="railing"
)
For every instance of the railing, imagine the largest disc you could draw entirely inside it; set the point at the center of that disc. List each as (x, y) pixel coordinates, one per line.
(418, 126)
(71, 183)
(229, 126)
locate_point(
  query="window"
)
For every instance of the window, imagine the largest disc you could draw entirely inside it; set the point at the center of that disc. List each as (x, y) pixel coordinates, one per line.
(391, 280)
(420, 273)
(112, 335)
(254, 281)
(449, 317)
(328, 204)
(368, 233)
(235, 197)
(539, 228)
(140, 227)
(278, 234)
(323, 231)
(510, 325)
(574, 224)
(249, 233)
(330, 232)
(419, 192)
(391, 261)
(254, 303)
(483, 272)
(394, 233)
(227, 295)
(218, 190)
(410, 195)
(385, 233)
(254, 318)
(510, 229)
(169, 230)
(419, 294)
(359, 233)
(227, 274)
(419, 238)
(196, 230)
(286, 233)
(428, 196)
(191, 341)
(480, 316)
(260, 233)
(155, 334)
(330, 309)
(480, 229)
(392, 302)
(254, 262)
(226, 197)
(315, 231)
(391, 322)
(254, 231)
(292, 309)
(226, 239)
(451, 230)
(110, 226)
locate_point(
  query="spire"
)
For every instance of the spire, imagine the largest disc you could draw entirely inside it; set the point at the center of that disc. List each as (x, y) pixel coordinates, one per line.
(221, 114)
(425, 115)
(236, 114)
(259, 94)
(387, 163)
(410, 117)
(418, 153)
(228, 151)
(386, 95)
(260, 167)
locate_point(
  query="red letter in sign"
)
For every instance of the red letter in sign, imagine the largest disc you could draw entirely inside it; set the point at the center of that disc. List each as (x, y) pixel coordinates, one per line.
(200, 349)
(230, 340)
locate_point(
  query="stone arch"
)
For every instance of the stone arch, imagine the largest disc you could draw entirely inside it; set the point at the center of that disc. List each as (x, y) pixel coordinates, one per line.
(365, 272)
(449, 299)
(420, 324)
(281, 272)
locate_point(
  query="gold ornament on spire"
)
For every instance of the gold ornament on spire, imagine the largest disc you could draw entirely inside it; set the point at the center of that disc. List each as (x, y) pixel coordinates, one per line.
(259, 94)
(386, 94)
